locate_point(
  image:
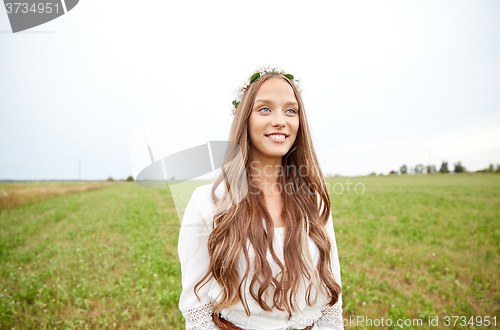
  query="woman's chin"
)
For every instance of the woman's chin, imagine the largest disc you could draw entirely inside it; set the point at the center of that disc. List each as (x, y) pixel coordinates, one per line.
(277, 153)
(273, 151)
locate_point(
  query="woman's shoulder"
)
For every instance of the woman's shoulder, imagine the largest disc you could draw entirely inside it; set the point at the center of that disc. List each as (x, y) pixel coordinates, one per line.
(203, 190)
(198, 208)
(204, 193)
(201, 196)
(201, 203)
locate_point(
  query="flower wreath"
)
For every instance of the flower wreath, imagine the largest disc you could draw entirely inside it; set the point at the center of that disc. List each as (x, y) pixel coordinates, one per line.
(267, 70)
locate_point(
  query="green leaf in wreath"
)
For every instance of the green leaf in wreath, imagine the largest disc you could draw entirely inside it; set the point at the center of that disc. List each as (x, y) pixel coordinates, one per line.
(255, 77)
(289, 76)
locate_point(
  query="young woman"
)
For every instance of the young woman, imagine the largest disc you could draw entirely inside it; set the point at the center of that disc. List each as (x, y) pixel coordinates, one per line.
(257, 248)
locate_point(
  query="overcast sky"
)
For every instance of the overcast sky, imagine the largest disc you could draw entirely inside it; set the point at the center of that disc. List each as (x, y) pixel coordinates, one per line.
(385, 83)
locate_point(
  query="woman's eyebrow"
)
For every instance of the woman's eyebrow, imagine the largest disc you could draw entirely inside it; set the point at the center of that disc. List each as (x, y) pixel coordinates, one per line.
(270, 101)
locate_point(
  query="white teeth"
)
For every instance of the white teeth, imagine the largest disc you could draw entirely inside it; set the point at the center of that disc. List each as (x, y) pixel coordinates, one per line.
(277, 137)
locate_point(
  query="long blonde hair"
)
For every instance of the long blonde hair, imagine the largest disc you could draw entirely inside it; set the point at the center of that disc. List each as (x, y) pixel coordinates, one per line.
(238, 223)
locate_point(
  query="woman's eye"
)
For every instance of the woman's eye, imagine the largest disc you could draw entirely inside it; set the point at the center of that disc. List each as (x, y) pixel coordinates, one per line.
(292, 110)
(262, 109)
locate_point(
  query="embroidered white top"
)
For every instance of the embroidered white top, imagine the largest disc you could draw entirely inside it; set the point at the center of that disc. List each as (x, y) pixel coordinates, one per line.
(193, 255)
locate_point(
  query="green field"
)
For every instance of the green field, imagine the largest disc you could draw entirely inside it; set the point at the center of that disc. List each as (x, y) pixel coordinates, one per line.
(411, 247)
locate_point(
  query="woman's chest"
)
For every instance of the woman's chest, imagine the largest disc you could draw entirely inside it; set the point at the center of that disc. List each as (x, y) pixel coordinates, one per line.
(309, 250)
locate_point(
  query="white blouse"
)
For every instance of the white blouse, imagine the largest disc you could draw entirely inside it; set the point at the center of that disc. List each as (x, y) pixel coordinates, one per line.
(193, 255)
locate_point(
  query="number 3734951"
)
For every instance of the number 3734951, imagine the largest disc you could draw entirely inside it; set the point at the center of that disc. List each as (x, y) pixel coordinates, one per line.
(472, 321)
(20, 7)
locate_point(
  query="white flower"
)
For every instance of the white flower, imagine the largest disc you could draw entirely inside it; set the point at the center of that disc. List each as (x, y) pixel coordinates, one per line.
(238, 93)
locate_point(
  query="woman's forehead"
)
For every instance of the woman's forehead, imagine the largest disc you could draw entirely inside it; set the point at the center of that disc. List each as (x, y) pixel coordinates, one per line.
(275, 88)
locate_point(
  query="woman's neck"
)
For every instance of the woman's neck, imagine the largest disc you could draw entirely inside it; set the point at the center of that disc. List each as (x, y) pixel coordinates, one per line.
(265, 173)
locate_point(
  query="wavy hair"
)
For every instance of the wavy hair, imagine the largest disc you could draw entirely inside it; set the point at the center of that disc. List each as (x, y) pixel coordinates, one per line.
(236, 226)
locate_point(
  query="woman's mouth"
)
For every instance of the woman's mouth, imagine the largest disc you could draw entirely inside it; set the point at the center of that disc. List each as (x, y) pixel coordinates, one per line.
(277, 137)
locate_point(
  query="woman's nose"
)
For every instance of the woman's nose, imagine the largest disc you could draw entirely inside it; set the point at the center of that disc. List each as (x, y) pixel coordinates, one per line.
(278, 119)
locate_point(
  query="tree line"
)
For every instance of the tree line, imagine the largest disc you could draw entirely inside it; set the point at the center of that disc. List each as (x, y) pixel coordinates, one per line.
(431, 169)
(130, 178)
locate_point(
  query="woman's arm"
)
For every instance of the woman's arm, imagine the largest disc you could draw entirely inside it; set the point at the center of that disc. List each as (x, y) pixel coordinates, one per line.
(193, 255)
(332, 315)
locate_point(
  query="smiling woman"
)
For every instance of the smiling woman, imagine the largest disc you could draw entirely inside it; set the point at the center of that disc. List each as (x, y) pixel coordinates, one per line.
(274, 121)
(277, 244)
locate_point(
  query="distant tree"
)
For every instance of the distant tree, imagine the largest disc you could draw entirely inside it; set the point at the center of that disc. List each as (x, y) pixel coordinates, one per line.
(403, 169)
(381, 174)
(489, 169)
(393, 172)
(431, 169)
(110, 179)
(444, 168)
(459, 168)
(372, 174)
(130, 178)
(419, 169)
(498, 168)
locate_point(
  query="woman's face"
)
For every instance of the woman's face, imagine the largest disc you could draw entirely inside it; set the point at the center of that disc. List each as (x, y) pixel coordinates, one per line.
(274, 121)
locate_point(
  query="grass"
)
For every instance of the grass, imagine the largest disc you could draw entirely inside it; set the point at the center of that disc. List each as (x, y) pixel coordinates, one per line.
(410, 247)
(15, 194)
(417, 247)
